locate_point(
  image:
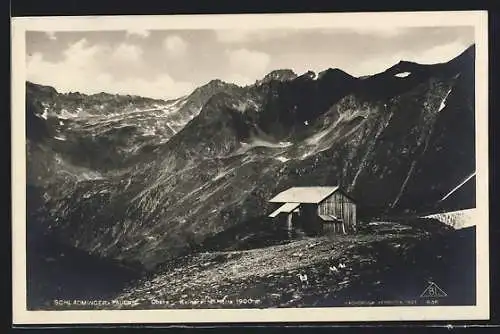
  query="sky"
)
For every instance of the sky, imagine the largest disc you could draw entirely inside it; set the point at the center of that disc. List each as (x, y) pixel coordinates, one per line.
(167, 64)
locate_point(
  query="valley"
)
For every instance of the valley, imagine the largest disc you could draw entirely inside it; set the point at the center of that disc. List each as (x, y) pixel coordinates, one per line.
(172, 196)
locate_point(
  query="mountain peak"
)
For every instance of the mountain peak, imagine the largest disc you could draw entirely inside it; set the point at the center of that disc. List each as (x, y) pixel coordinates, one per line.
(278, 75)
(216, 82)
(41, 88)
(334, 72)
(466, 56)
(210, 87)
(309, 74)
(468, 52)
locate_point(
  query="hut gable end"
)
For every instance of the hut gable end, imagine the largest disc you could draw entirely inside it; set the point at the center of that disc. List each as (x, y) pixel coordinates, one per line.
(339, 206)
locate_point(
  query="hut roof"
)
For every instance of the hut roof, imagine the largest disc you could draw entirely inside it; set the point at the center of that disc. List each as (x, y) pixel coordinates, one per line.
(304, 195)
(287, 208)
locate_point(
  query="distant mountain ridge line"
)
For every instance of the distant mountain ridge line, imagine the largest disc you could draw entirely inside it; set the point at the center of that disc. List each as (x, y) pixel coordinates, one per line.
(288, 73)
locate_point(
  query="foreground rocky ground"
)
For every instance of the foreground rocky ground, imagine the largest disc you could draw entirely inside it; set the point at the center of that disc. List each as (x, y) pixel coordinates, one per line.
(383, 264)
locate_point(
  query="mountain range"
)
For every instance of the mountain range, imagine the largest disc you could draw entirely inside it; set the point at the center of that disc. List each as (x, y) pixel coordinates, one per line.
(142, 181)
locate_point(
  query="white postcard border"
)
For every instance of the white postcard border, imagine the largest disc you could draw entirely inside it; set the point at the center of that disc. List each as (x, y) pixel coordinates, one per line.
(20, 25)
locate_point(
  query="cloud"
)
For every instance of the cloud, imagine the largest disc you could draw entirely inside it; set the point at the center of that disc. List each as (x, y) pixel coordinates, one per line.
(84, 68)
(239, 79)
(139, 32)
(376, 31)
(434, 55)
(162, 87)
(82, 55)
(246, 35)
(440, 53)
(175, 46)
(246, 66)
(51, 35)
(373, 65)
(127, 52)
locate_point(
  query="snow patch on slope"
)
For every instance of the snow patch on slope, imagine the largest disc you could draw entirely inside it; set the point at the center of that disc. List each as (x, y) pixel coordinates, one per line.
(458, 186)
(66, 115)
(243, 106)
(457, 219)
(443, 102)
(257, 142)
(222, 174)
(45, 113)
(402, 74)
(282, 158)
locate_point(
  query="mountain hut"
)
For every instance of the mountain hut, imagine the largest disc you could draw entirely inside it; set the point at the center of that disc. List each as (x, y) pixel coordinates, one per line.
(315, 210)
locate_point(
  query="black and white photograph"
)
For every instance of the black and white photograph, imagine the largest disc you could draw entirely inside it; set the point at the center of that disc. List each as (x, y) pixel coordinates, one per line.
(251, 165)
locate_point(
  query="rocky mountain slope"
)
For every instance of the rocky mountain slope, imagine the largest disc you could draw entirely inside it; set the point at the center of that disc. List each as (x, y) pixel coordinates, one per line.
(106, 132)
(397, 141)
(390, 263)
(385, 264)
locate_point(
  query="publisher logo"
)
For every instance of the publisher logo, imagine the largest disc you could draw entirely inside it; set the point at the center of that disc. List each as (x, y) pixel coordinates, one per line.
(433, 291)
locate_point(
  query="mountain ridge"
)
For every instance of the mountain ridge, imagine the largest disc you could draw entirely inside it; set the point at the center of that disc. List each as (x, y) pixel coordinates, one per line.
(245, 144)
(278, 74)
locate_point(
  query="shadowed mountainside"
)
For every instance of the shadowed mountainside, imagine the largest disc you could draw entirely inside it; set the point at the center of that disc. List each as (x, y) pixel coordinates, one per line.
(397, 141)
